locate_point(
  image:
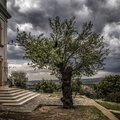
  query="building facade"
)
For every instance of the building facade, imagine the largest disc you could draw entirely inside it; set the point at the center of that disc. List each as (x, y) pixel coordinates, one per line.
(4, 16)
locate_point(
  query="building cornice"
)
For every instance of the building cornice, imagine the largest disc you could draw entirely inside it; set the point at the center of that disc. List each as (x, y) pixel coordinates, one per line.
(4, 12)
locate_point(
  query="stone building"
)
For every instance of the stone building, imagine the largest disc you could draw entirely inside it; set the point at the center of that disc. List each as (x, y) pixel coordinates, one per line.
(4, 16)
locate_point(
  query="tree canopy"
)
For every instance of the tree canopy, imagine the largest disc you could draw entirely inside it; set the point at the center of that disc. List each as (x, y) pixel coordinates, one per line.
(68, 52)
(83, 52)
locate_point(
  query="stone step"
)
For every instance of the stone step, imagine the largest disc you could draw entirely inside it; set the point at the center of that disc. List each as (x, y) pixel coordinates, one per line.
(13, 94)
(10, 97)
(17, 100)
(7, 89)
(10, 92)
(22, 102)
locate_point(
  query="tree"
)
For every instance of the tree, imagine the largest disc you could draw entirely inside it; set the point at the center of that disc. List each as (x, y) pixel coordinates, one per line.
(109, 88)
(68, 52)
(19, 78)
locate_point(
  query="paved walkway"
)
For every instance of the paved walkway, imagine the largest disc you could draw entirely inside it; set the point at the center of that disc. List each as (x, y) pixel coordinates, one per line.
(46, 100)
(115, 111)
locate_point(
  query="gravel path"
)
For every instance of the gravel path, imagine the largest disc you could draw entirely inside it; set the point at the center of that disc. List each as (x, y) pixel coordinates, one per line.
(43, 100)
(40, 101)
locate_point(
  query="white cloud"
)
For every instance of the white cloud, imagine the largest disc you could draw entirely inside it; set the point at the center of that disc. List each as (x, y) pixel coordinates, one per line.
(25, 27)
(102, 73)
(28, 27)
(22, 65)
(69, 1)
(83, 13)
(26, 5)
(110, 38)
(114, 4)
(11, 32)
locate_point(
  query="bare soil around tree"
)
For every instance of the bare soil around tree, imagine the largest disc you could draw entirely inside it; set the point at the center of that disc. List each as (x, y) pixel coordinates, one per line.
(56, 113)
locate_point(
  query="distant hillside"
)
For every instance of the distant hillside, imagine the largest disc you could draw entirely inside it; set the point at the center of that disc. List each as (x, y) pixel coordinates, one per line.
(84, 81)
(91, 80)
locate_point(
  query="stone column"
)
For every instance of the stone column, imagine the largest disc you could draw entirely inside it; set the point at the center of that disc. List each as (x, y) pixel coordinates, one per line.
(1, 72)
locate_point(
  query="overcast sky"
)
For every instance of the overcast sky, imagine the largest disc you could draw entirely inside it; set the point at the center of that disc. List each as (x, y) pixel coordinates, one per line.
(32, 15)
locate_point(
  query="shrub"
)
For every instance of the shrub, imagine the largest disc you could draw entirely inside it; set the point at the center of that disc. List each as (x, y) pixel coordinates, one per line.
(46, 86)
(88, 91)
(109, 88)
(113, 97)
(20, 79)
(59, 87)
(76, 86)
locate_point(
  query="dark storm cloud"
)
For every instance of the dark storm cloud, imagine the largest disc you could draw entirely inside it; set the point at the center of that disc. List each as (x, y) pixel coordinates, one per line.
(100, 12)
(113, 64)
(15, 52)
(100, 15)
(103, 13)
(37, 17)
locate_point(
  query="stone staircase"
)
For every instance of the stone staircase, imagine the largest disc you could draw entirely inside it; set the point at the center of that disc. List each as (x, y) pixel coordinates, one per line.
(15, 96)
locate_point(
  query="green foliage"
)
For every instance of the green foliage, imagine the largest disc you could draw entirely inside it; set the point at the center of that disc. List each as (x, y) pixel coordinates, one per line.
(114, 97)
(88, 91)
(19, 78)
(109, 88)
(46, 86)
(59, 87)
(76, 86)
(66, 48)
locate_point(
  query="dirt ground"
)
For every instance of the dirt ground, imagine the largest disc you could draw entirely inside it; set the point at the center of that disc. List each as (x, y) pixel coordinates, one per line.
(56, 113)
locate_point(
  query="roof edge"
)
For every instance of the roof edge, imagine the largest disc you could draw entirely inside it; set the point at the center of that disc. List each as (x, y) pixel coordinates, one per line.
(5, 12)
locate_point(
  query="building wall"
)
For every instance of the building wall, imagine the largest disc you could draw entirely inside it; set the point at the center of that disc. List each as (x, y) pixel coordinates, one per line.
(3, 2)
(3, 46)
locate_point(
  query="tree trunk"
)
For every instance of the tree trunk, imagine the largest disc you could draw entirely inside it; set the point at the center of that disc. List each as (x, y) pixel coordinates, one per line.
(67, 90)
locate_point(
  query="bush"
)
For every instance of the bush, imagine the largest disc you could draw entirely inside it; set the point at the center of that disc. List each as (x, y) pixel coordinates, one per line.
(46, 86)
(76, 86)
(109, 88)
(88, 91)
(20, 79)
(59, 87)
(113, 97)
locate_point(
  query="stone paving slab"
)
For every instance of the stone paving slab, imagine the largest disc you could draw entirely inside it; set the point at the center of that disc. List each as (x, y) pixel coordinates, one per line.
(41, 100)
(115, 111)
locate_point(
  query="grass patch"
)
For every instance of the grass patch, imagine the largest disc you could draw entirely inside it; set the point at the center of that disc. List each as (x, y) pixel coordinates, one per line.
(117, 115)
(58, 113)
(109, 105)
(90, 113)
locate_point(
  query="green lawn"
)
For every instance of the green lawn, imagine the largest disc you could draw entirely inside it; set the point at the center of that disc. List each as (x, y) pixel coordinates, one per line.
(109, 105)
